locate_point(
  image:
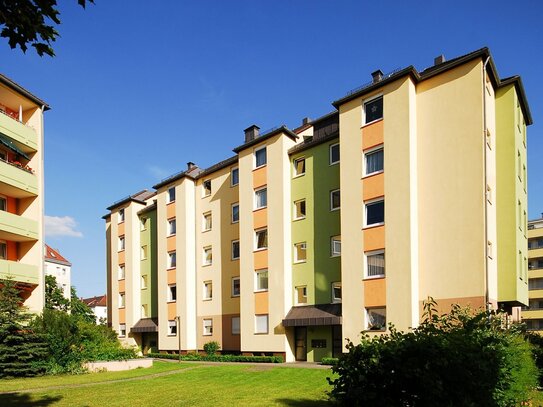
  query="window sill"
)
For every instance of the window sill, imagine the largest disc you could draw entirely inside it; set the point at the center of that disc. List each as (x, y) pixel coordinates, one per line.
(297, 219)
(336, 301)
(121, 250)
(234, 259)
(373, 225)
(260, 208)
(333, 256)
(335, 209)
(171, 268)
(206, 230)
(374, 330)
(234, 222)
(300, 262)
(372, 174)
(260, 250)
(234, 296)
(380, 277)
(298, 175)
(171, 301)
(372, 122)
(207, 264)
(260, 166)
(207, 334)
(207, 299)
(121, 279)
(171, 202)
(123, 307)
(261, 333)
(261, 291)
(334, 163)
(172, 335)
(173, 234)
(206, 196)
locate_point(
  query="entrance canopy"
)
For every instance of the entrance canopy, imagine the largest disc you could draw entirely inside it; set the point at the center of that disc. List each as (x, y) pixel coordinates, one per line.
(145, 325)
(314, 315)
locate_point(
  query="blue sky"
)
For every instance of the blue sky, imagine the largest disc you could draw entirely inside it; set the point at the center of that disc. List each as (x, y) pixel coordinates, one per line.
(138, 88)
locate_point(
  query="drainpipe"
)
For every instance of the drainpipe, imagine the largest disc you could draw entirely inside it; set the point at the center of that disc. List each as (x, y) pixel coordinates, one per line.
(487, 295)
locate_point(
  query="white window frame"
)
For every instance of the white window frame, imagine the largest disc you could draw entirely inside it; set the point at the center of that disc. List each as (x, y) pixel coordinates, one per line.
(373, 253)
(333, 246)
(169, 195)
(205, 262)
(232, 212)
(143, 252)
(330, 154)
(144, 282)
(232, 176)
(172, 256)
(364, 159)
(256, 198)
(304, 294)
(257, 232)
(254, 154)
(121, 216)
(335, 299)
(235, 327)
(144, 311)
(207, 295)
(122, 300)
(204, 190)
(369, 100)
(121, 272)
(294, 163)
(367, 326)
(257, 272)
(143, 223)
(267, 319)
(121, 243)
(205, 215)
(365, 214)
(4, 199)
(172, 288)
(172, 323)
(233, 294)
(294, 216)
(332, 200)
(232, 250)
(207, 325)
(172, 221)
(122, 330)
(296, 260)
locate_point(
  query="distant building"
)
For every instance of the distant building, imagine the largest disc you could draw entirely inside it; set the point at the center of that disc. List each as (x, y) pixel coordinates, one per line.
(533, 314)
(98, 306)
(58, 266)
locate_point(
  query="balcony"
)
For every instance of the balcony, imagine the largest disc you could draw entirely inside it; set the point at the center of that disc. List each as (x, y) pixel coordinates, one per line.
(25, 273)
(17, 228)
(24, 136)
(535, 253)
(16, 181)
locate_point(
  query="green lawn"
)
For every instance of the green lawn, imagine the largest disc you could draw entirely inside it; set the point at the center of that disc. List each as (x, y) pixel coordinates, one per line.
(176, 385)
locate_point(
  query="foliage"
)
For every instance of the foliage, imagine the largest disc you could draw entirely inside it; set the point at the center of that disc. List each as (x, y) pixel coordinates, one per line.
(54, 297)
(195, 357)
(22, 351)
(81, 310)
(31, 22)
(537, 344)
(329, 361)
(457, 359)
(212, 347)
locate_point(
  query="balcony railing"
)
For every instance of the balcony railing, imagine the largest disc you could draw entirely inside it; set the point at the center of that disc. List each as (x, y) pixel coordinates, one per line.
(18, 164)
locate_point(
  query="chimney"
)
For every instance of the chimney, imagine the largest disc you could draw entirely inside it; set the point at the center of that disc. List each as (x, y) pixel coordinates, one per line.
(190, 165)
(305, 121)
(377, 75)
(439, 60)
(251, 133)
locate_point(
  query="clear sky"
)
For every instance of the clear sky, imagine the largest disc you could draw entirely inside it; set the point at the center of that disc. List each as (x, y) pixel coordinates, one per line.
(138, 88)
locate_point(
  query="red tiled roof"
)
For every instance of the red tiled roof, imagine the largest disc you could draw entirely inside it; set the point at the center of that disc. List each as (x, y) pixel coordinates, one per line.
(52, 254)
(100, 301)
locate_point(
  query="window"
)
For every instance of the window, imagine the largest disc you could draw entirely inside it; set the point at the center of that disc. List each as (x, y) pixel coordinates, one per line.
(143, 223)
(172, 260)
(524, 179)
(3, 251)
(121, 215)
(373, 110)
(207, 187)
(373, 161)
(235, 213)
(260, 157)
(234, 176)
(261, 324)
(236, 287)
(261, 280)
(143, 253)
(235, 326)
(172, 227)
(519, 169)
(171, 195)
(122, 330)
(336, 292)
(207, 221)
(376, 319)
(301, 295)
(261, 198)
(300, 252)
(143, 282)
(121, 300)
(144, 311)
(535, 284)
(261, 239)
(375, 213)
(3, 204)
(235, 249)
(121, 243)
(334, 153)
(299, 166)
(208, 256)
(208, 290)
(208, 327)
(375, 264)
(299, 209)
(335, 246)
(172, 327)
(172, 293)
(120, 272)
(335, 200)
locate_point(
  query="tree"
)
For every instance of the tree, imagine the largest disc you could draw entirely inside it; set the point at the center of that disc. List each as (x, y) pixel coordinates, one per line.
(31, 22)
(54, 297)
(80, 309)
(22, 351)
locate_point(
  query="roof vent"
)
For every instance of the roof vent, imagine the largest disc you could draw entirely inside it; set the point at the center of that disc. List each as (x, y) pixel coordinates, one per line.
(305, 121)
(190, 165)
(377, 75)
(251, 133)
(439, 60)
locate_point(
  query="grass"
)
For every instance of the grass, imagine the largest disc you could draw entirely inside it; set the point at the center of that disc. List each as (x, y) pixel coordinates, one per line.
(189, 385)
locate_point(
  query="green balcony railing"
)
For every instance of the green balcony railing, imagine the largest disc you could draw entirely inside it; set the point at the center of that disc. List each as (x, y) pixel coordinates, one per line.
(19, 178)
(19, 132)
(25, 273)
(18, 225)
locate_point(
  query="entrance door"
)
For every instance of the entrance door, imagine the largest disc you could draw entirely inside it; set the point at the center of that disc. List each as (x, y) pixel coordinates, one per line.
(300, 338)
(337, 341)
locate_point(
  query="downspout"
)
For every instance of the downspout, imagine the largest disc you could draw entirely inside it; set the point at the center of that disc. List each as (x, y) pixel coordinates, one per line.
(487, 295)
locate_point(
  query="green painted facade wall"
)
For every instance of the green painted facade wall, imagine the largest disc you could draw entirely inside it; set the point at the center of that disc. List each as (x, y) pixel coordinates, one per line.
(149, 295)
(511, 181)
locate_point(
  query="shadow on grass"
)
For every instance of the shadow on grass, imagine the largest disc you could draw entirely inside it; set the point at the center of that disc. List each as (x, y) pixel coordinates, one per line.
(25, 399)
(304, 402)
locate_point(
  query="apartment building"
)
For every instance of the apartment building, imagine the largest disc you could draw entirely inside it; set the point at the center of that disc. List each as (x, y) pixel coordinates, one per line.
(58, 266)
(414, 186)
(532, 315)
(21, 191)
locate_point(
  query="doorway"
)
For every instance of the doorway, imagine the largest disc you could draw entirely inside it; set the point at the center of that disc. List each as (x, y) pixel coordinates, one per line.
(300, 338)
(337, 341)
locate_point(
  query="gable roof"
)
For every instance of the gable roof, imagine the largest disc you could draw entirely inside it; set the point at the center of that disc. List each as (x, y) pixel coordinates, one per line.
(54, 256)
(96, 301)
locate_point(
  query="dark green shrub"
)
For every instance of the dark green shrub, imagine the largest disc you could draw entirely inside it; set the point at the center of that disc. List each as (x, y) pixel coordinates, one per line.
(537, 342)
(211, 347)
(195, 357)
(329, 361)
(458, 359)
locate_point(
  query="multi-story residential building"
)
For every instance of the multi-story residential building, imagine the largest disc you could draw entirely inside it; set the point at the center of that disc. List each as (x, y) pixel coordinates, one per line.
(415, 186)
(533, 314)
(58, 266)
(98, 305)
(21, 191)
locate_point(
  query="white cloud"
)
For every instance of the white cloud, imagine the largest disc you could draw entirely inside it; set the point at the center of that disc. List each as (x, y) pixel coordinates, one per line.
(61, 226)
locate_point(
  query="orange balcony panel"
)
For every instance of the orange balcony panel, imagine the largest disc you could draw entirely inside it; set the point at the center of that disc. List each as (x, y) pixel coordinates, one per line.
(261, 303)
(260, 218)
(170, 210)
(373, 134)
(373, 186)
(122, 286)
(121, 257)
(122, 316)
(260, 177)
(374, 238)
(375, 292)
(171, 276)
(172, 310)
(120, 229)
(170, 243)
(261, 259)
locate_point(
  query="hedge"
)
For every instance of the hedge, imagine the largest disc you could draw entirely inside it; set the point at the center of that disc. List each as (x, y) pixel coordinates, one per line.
(329, 361)
(195, 357)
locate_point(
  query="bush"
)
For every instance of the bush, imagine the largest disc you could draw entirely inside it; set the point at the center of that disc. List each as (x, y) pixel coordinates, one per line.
(195, 357)
(329, 361)
(211, 347)
(457, 359)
